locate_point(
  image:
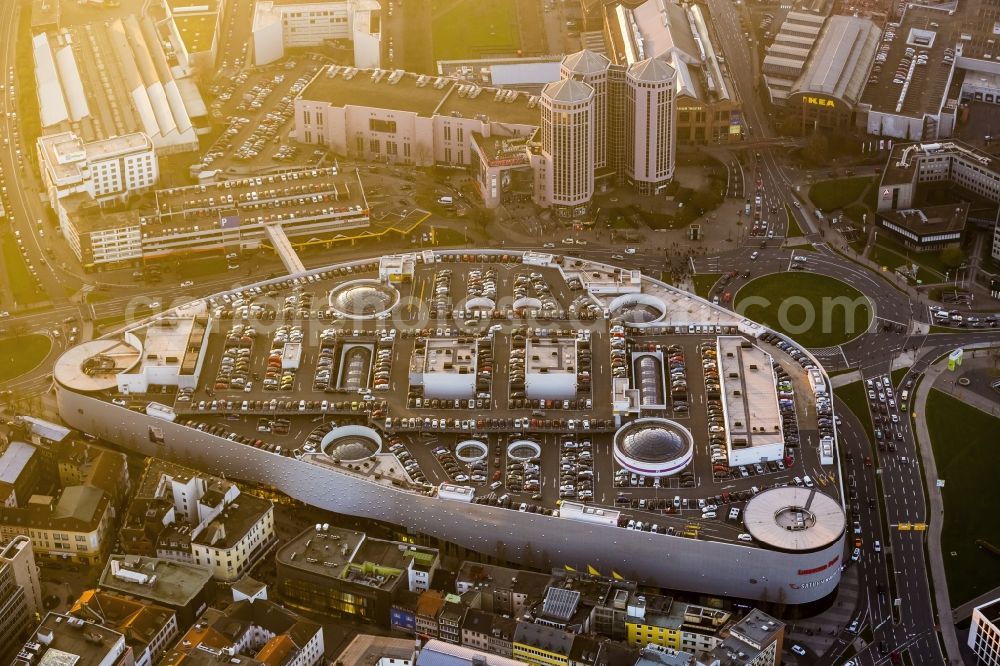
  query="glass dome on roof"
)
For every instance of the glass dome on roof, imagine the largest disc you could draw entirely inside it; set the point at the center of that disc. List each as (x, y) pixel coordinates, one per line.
(362, 299)
(652, 442)
(350, 448)
(638, 313)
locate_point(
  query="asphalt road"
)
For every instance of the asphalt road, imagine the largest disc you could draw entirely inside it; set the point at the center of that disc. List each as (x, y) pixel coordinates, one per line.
(890, 305)
(896, 578)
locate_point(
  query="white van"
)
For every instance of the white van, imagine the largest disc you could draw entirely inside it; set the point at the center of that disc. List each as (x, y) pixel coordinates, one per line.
(808, 481)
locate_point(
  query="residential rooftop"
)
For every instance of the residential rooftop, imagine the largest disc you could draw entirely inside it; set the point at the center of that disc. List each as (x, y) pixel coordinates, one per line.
(218, 630)
(13, 461)
(139, 621)
(527, 583)
(69, 640)
(167, 581)
(350, 555)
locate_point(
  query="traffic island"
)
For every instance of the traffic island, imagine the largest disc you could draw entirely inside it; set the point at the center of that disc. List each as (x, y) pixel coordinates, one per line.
(815, 310)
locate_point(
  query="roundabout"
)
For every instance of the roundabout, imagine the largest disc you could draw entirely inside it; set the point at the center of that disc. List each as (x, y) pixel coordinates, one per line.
(815, 310)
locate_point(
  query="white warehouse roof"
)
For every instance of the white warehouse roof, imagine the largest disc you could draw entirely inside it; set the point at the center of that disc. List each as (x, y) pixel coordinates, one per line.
(51, 102)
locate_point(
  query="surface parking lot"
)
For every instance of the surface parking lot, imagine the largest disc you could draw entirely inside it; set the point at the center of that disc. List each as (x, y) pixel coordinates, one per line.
(256, 111)
(284, 367)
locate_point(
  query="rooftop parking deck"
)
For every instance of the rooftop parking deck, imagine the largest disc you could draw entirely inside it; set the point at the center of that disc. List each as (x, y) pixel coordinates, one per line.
(253, 390)
(915, 54)
(295, 196)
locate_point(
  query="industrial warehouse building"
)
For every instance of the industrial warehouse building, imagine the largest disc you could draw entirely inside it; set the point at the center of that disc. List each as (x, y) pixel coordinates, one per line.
(110, 79)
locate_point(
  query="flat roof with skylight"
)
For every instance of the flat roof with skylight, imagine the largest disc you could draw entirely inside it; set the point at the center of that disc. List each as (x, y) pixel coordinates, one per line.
(449, 355)
(551, 356)
(749, 401)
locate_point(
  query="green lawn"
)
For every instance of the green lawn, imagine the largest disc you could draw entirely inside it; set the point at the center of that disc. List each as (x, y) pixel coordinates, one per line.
(853, 395)
(474, 28)
(20, 354)
(967, 457)
(929, 261)
(813, 309)
(19, 280)
(446, 236)
(829, 195)
(703, 283)
(856, 212)
(892, 260)
(793, 226)
(897, 375)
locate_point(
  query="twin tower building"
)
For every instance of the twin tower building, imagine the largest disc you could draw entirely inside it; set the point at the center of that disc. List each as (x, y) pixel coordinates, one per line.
(602, 121)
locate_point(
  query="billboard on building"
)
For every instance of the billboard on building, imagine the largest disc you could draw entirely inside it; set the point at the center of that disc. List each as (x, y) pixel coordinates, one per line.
(230, 222)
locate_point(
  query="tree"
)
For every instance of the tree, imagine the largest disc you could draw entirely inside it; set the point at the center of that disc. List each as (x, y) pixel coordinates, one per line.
(953, 257)
(817, 148)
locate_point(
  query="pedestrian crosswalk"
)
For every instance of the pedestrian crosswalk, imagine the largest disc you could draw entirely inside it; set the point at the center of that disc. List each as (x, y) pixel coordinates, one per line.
(826, 351)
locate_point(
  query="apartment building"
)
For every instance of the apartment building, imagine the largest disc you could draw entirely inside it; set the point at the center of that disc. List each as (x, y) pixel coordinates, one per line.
(257, 628)
(20, 467)
(206, 520)
(65, 639)
(504, 591)
(984, 633)
(19, 555)
(180, 587)
(19, 596)
(148, 629)
(73, 527)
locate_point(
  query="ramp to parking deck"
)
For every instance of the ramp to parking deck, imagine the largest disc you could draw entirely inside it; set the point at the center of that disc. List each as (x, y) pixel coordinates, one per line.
(284, 248)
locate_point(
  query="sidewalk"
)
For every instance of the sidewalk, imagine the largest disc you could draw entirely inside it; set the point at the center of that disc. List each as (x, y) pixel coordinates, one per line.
(938, 579)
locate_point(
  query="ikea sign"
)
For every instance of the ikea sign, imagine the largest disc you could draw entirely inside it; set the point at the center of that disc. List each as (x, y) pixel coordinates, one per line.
(818, 101)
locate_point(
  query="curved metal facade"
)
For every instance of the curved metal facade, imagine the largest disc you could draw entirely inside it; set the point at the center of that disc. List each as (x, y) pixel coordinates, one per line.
(534, 540)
